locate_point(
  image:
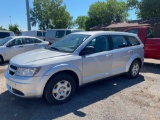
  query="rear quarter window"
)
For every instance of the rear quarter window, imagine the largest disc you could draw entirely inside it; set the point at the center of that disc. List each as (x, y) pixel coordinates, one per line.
(133, 41)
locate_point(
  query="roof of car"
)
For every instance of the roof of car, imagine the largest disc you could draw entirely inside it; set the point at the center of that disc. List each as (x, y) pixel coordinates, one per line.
(104, 32)
(22, 37)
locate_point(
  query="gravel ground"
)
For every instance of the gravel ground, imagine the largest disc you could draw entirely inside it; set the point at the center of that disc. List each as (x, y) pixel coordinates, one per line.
(117, 98)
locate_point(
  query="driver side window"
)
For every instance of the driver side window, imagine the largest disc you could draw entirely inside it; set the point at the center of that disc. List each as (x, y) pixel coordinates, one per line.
(99, 44)
(18, 41)
(150, 33)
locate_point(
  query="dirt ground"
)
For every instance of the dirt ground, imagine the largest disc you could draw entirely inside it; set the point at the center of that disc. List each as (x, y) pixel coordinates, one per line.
(116, 98)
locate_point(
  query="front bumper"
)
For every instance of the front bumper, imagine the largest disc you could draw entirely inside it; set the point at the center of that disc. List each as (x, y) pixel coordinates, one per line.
(28, 87)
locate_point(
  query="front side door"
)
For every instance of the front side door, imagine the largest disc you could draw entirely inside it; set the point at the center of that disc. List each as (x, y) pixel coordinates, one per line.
(97, 65)
(121, 53)
(14, 48)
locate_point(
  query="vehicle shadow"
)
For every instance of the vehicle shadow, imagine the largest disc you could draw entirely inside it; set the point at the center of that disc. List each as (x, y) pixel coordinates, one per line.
(4, 64)
(29, 109)
(151, 68)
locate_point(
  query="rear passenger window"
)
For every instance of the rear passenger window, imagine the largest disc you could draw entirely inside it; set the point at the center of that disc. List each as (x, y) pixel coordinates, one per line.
(29, 41)
(133, 41)
(59, 33)
(119, 41)
(39, 33)
(44, 34)
(4, 34)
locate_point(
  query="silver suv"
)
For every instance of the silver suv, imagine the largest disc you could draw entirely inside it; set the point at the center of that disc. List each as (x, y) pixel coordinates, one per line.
(76, 59)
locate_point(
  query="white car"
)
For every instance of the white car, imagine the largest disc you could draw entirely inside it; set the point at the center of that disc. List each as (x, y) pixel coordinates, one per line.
(12, 46)
(34, 33)
(75, 60)
(53, 35)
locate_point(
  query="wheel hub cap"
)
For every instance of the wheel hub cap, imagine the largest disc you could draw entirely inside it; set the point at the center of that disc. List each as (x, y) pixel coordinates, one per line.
(61, 90)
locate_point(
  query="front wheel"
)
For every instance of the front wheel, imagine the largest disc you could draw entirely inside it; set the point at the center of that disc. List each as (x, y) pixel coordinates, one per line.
(134, 69)
(60, 89)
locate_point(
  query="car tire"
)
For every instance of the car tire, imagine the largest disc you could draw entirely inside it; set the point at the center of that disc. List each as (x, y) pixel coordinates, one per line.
(134, 69)
(1, 59)
(60, 89)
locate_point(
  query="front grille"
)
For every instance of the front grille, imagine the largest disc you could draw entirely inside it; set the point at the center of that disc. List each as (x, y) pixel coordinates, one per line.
(12, 69)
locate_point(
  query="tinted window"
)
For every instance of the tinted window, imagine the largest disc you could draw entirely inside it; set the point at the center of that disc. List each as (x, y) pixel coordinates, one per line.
(150, 33)
(37, 41)
(44, 34)
(100, 44)
(119, 41)
(59, 33)
(68, 32)
(133, 41)
(18, 41)
(29, 40)
(135, 31)
(4, 34)
(39, 33)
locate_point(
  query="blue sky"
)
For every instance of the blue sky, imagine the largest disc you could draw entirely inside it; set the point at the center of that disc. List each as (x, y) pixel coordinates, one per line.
(17, 10)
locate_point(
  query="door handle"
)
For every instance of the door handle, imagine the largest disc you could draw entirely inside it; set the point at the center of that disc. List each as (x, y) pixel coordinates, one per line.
(108, 55)
(130, 51)
(21, 46)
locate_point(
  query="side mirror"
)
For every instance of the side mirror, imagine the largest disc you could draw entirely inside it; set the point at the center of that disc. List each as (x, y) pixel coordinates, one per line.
(87, 50)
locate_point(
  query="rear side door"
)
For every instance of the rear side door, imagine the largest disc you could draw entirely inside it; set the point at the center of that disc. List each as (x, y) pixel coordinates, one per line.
(16, 47)
(122, 53)
(40, 44)
(30, 44)
(99, 64)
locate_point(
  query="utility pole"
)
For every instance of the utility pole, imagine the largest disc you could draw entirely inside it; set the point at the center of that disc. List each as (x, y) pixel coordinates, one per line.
(10, 20)
(28, 15)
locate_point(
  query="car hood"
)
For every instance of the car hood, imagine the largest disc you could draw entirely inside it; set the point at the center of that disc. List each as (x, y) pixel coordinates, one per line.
(43, 55)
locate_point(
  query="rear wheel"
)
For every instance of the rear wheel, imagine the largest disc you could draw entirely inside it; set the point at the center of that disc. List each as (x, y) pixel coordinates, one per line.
(60, 89)
(134, 69)
(1, 59)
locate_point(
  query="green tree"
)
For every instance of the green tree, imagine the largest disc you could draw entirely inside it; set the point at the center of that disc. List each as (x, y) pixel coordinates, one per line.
(1, 28)
(50, 14)
(106, 13)
(149, 9)
(14, 28)
(81, 22)
(145, 8)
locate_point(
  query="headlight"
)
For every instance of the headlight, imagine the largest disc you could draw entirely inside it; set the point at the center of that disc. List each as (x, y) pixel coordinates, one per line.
(28, 72)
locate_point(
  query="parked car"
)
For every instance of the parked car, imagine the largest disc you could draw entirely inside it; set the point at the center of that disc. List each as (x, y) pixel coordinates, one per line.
(12, 46)
(4, 34)
(75, 60)
(53, 35)
(151, 44)
(34, 33)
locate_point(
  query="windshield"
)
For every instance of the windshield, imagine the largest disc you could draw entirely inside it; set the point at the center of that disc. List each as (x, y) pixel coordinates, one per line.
(4, 40)
(69, 43)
